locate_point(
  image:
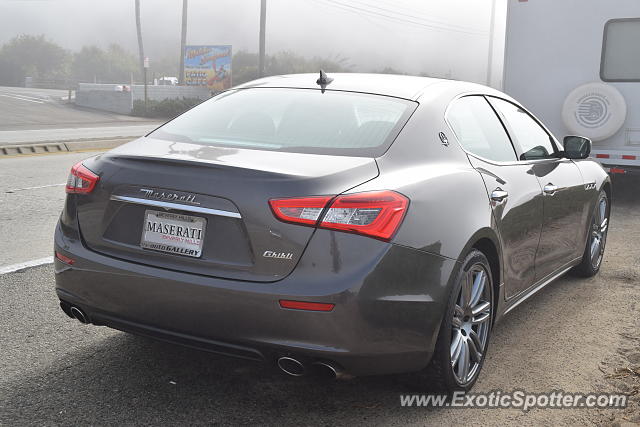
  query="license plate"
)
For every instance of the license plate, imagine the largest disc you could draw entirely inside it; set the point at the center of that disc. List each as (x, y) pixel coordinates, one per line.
(173, 233)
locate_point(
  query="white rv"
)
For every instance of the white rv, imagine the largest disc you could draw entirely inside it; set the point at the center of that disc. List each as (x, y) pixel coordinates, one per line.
(576, 65)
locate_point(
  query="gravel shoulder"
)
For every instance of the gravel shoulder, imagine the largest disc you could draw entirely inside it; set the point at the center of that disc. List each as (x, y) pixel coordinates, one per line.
(576, 335)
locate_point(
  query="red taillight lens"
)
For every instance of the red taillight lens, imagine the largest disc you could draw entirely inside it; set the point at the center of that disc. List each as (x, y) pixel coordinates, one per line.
(303, 305)
(377, 214)
(81, 180)
(305, 210)
(65, 259)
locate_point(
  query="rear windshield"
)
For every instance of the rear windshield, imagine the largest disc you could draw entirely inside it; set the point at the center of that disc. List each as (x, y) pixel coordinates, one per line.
(293, 120)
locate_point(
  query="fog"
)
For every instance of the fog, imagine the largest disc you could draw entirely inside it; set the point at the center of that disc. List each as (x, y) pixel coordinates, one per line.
(447, 38)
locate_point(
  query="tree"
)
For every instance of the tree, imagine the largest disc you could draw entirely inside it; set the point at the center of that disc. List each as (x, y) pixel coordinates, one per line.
(245, 65)
(32, 56)
(115, 65)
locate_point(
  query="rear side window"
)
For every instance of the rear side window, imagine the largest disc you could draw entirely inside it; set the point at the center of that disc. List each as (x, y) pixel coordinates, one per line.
(621, 51)
(479, 130)
(293, 120)
(533, 140)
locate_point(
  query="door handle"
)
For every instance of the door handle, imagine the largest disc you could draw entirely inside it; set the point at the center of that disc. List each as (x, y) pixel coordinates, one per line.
(550, 189)
(499, 195)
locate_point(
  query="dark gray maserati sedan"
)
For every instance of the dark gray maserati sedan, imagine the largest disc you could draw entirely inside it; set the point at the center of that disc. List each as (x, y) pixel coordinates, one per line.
(350, 224)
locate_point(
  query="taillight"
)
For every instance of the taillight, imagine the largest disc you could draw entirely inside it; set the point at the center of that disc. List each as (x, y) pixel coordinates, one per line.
(376, 214)
(81, 180)
(305, 210)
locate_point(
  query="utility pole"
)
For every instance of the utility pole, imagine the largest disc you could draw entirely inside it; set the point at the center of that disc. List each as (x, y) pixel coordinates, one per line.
(263, 22)
(139, 31)
(492, 30)
(183, 41)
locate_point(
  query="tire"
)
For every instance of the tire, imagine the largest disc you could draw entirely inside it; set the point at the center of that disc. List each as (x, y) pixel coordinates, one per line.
(597, 239)
(457, 326)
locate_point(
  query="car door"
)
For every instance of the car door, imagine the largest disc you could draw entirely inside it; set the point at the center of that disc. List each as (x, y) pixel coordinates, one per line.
(513, 189)
(562, 186)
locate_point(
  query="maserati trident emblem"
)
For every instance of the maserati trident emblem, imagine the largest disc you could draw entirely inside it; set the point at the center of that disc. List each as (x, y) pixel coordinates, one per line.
(444, 139)
(170, 196)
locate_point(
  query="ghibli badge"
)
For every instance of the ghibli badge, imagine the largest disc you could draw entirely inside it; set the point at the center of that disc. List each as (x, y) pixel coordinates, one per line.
(277, 255)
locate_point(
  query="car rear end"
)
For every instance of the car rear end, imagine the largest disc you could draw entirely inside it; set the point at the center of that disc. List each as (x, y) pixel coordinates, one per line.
(238, 228)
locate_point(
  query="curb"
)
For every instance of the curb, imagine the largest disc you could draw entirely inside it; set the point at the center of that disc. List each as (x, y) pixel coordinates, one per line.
(62, 147)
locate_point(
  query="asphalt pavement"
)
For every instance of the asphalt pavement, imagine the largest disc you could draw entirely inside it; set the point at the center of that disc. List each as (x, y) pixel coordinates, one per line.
(37, 115)
(56, 371)
(32, 195)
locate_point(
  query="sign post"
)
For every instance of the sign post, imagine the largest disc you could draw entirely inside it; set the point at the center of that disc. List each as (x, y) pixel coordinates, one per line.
(146, 67)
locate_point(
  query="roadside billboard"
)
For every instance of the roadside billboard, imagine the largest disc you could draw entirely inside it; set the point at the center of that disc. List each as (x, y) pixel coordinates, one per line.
(208, 65)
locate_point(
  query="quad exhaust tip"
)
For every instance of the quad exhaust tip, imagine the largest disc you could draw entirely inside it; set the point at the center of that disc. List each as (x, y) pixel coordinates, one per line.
(327, 370)
(78, 314)
(291, 366)
(323, 369)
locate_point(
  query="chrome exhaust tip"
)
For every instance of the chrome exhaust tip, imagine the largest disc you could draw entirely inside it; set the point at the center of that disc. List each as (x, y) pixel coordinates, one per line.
(329, 370)
(291, 366)
(79, 315)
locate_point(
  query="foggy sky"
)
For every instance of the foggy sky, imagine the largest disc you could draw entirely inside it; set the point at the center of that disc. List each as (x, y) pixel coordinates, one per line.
(307, 27)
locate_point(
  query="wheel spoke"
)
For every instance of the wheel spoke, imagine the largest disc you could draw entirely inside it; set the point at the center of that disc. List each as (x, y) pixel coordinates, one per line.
(475, 347)
(456, 347)
(481, 318)
(456, 323)
(458, 311)
(595, 245)
(604, 225)
(603, 210)
(463, 362)
(478, 287)
(482, 307)
(465, 292)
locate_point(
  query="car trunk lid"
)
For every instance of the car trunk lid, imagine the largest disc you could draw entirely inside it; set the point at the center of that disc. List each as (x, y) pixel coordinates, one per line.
(222, 193)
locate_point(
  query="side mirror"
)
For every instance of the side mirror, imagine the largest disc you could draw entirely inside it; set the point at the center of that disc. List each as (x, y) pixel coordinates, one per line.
(577, 147)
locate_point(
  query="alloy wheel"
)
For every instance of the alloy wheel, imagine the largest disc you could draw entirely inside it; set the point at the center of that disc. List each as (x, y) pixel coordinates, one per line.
(470, 325)
(599, 230)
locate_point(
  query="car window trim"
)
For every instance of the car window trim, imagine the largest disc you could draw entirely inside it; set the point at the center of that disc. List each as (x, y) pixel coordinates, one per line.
(520, 151)
(446, 119)
(496, 162)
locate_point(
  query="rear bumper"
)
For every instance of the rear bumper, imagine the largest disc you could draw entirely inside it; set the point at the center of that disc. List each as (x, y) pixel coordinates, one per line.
(389, 301)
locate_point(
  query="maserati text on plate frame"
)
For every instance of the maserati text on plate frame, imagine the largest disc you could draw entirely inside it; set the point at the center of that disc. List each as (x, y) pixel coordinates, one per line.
(173, 233)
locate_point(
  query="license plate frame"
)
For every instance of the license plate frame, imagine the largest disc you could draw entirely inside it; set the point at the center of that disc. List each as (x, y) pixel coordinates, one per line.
(173, 233)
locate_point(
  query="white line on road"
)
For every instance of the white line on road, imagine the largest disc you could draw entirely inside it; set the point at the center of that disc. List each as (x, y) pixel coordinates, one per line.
(36, 187)
(21, 266)
(23, 99)
(20, 95)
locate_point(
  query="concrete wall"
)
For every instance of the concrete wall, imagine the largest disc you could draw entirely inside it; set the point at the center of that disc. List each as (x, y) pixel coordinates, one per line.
(105, 96)
(115, 102)
(158, 93)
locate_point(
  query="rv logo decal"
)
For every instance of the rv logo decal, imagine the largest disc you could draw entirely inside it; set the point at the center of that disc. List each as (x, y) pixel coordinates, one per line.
(594, 110)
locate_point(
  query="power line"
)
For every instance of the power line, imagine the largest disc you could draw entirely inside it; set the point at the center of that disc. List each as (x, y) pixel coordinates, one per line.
(413, 14)
(379, 15)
